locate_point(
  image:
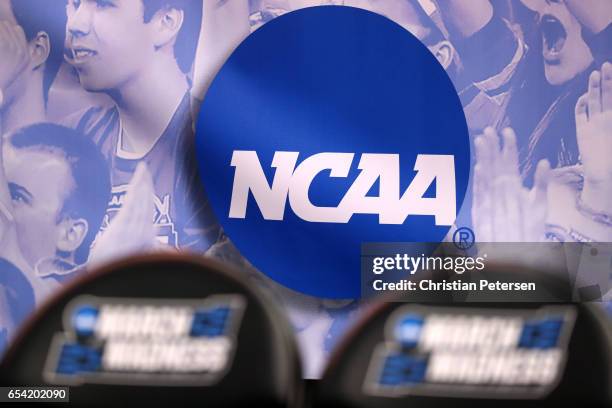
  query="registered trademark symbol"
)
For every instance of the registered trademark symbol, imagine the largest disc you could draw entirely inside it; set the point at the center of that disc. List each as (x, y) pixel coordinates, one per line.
(464, 238)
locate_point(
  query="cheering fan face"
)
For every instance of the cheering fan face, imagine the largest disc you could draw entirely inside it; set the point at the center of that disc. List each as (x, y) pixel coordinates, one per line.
(564, 50)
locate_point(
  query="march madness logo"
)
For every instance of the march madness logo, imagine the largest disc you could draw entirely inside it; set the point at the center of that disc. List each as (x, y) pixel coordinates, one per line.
(465, 352)
(145, 341)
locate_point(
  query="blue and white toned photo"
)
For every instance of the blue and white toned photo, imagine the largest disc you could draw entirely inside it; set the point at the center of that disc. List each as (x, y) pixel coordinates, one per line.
(99, 98)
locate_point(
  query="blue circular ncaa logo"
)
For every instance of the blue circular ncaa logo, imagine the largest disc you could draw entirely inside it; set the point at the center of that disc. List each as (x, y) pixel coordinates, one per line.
(328, 128)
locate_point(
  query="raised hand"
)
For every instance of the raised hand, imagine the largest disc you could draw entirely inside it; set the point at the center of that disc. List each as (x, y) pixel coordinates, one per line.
(534, 5)
(466, 17)
(132, 228)
(504, 210)
(595, 15)
(594, 125)
(14, 51)
(594, 135)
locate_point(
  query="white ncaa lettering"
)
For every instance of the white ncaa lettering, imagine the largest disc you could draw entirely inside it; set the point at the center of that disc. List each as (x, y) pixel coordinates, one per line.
(294, 183)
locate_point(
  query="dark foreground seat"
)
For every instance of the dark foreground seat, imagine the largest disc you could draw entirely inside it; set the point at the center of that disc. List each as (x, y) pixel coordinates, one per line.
(478, 354)
(167, 330)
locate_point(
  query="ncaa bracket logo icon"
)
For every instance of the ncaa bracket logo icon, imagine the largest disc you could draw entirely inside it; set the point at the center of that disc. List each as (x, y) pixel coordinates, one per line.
(330, 127)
